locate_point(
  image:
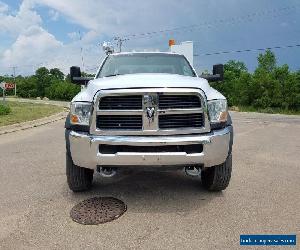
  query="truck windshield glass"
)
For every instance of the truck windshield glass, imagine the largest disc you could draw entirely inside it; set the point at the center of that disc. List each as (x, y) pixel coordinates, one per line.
(145, 63)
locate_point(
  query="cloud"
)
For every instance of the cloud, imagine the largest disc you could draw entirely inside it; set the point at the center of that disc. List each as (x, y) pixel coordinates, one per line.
(54, 15)
(284, 24)
(34, 46)
(3, 7)
(103, 20)
(73, 35)
(114, 18)
(30, 45)
(25, 18)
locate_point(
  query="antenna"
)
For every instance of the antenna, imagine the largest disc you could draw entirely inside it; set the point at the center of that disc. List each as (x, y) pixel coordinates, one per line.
(120, 42)
(81, 51)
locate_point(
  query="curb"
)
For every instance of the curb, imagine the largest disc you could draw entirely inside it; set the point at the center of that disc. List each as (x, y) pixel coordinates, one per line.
(32, 124)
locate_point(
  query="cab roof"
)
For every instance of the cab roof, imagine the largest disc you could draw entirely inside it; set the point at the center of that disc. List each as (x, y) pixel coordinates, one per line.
(146, 52)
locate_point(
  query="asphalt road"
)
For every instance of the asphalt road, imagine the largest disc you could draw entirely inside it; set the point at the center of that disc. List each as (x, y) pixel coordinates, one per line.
(165, 210)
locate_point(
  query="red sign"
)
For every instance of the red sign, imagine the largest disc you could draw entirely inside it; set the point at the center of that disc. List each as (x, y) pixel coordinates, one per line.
(9, 85)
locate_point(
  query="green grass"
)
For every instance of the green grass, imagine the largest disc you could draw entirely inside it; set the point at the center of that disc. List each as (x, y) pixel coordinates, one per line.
(22, 112)
(268, 110)
(4, 109)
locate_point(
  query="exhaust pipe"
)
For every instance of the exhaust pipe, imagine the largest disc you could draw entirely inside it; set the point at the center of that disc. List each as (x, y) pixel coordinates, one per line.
(106, 172)
(192, 171)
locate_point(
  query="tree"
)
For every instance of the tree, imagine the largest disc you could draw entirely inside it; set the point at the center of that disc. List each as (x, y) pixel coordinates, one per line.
(268, 91)
(282, 75)
(236, 67)
(43, 80)
(26, 87)
(235, 75)
(267, 61)
(57, 74)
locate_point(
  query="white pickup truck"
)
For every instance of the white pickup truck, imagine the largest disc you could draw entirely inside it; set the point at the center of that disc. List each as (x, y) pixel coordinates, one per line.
(148, 111)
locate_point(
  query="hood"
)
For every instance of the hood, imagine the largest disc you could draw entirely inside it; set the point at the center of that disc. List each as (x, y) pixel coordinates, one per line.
(146, 81)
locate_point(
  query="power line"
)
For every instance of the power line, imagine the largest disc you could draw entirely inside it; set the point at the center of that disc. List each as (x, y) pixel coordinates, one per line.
(248, 50)
(233, 20)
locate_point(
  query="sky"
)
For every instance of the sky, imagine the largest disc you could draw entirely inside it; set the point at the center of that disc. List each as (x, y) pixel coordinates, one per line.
(51, 33)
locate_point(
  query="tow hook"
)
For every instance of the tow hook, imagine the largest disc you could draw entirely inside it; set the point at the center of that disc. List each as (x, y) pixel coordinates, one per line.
(192, 171)
(106, 172)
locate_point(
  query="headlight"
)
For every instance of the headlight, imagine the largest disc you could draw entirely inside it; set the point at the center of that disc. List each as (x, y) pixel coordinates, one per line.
(80, 113)
(218, 111)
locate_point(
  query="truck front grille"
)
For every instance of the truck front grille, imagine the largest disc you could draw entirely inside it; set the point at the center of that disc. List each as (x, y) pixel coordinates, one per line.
(159, 112)
(178, 101)
(180, 121)
(128, 122)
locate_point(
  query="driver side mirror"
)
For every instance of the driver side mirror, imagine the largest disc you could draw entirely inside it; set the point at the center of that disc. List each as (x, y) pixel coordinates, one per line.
(218, 69)
(218, 74)
(75, 72)
(75, 75)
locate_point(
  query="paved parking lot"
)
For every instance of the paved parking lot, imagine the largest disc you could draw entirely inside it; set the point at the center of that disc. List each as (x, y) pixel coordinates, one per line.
(165, 210)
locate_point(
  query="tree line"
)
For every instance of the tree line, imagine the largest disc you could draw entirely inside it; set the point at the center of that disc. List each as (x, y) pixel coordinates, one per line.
(269, 87)
(50, 83)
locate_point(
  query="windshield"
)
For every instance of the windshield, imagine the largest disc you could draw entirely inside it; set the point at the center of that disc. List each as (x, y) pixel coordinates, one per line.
(145, 63)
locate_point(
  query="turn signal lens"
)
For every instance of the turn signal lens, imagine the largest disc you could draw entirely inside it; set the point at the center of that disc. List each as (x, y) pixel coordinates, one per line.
(223, 116)
(217, 110)
(74, 119)
(80, 113)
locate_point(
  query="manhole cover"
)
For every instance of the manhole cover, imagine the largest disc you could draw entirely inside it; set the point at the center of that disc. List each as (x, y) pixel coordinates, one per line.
(97, 210)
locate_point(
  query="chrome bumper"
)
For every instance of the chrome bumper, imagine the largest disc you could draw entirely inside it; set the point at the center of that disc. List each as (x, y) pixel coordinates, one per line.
(84, 149)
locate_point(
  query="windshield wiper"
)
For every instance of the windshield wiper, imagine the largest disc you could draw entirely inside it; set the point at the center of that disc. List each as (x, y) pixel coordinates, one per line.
(113, 75)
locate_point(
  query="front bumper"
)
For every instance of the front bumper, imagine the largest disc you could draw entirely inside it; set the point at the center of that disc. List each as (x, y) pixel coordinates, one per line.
(84, 149)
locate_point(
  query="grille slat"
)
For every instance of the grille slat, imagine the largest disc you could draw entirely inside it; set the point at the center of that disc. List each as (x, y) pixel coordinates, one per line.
(121, 102)
(180, 121)
(179, 101)
(133, 122)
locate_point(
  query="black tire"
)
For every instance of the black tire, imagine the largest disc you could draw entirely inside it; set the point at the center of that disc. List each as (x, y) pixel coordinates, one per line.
(79, 179)
(217, 178)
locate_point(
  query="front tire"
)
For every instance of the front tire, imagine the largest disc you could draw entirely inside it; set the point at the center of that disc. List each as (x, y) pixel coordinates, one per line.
(217, 178)
(79, 179)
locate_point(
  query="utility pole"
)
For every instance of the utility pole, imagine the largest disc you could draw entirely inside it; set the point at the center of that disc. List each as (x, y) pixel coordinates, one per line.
(2, 85)
(120, 42)
(14, 74)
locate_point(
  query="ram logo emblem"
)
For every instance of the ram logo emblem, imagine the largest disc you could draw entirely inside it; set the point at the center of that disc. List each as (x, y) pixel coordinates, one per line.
(150, 113)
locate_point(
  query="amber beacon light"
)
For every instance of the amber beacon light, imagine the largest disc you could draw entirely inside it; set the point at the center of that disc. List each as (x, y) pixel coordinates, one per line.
(171, 42)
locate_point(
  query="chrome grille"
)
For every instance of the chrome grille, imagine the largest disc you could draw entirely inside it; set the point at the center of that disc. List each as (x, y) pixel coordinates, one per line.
(150, 111)
(180, 121)
(178, 101)
(131, 122)
(129, 102)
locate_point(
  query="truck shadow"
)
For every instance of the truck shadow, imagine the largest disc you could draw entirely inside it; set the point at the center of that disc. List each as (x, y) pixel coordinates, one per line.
(162, 192)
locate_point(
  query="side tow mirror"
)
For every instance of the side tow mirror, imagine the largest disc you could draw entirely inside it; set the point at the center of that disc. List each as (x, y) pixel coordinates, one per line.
(75, 72)
(75, 75)
(218, 74)
(218, 69)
